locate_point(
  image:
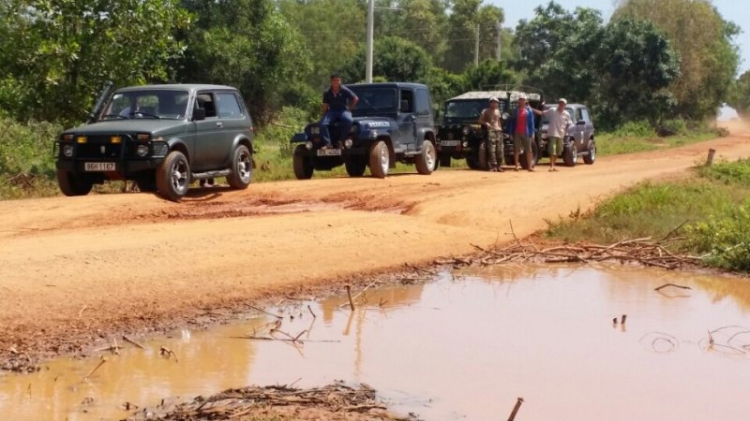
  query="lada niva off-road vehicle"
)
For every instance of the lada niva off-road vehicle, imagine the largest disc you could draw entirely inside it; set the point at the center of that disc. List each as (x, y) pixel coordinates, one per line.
(161, 136)
(392, 122)
(578, 141)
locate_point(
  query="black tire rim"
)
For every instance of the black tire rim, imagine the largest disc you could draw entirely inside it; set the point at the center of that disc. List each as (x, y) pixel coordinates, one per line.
(244, 166)
(180, 179)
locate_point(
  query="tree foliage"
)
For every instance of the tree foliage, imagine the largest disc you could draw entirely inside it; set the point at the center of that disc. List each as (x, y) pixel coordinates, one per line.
(739, 97)
(55, 55)
(394, 59)
(705, 43)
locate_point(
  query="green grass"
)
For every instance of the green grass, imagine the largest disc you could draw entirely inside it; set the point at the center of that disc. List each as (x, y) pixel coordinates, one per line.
(614, 144)
(715, 203)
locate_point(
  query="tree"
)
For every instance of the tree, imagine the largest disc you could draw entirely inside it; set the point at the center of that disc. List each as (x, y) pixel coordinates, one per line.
(489, 74)
(247, 44)
(705, 43)
(55, 55)
(462, 27)
(555, 49)
(488, 17)
(636, 64)
(394, 59)
(739, 97)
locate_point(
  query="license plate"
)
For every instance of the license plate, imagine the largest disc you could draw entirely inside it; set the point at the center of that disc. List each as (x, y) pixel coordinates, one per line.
(329, 152)
(99, 166)
(449, 143)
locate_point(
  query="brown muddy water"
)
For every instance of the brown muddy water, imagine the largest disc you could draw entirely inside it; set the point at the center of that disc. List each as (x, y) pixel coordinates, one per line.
(462, 347)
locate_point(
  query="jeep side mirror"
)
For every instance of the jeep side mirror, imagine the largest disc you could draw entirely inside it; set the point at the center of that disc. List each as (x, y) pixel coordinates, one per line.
(199, 114)
(404, 106)
(581, 123)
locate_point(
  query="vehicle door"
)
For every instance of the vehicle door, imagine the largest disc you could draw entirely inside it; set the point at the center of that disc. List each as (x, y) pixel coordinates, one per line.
(236, 122)
(588, 131)
(210, 138)
(424, 121)
(406, 137)
(577, 128)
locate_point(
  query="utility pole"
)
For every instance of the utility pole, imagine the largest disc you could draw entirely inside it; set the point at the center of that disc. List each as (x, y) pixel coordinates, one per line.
(476, 49)
(499, 40)
(370, 46)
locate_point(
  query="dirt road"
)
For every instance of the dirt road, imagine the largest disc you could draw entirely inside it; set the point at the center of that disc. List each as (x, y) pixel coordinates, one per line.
(75, 269)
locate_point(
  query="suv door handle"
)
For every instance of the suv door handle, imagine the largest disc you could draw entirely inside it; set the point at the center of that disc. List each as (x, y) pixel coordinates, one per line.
(413, 117)
(219, 124)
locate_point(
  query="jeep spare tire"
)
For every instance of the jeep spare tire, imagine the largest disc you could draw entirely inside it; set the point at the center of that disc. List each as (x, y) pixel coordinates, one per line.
(425, 161)
(173, 176)
(242, 168)
(72, 184)
(482, 156)
(303, 165)
(380, 159)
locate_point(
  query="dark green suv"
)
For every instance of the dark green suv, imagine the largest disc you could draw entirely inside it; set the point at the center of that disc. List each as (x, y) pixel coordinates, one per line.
(161, 136)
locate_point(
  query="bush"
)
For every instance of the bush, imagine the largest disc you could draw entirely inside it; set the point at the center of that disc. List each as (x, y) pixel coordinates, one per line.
(725, 238)
(674, 127)
(277, 135)
(27, 148)
(737, 173)
(634, 129)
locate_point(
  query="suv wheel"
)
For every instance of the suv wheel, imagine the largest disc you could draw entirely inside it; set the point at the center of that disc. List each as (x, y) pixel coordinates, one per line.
(303, 165)
(173, 176)
(425, 161)
(242, 168)
(590, 157)
(380, 159)
(570, 155)
(73, 185)
(356, 165)
(483, 162)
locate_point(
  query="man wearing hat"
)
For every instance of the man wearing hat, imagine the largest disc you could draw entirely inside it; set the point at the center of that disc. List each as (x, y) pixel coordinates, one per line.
(490, 121)
(338, 101)
(559, 121)
(521, 128)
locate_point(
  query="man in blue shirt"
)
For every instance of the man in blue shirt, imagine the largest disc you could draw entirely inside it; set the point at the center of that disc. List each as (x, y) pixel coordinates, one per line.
(338, 101)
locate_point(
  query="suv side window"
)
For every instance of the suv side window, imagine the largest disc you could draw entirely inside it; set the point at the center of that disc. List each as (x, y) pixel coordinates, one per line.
(577, 117)
(423, 102)
(227, 105)
(407, 101)
(206, 101)
(585, 113)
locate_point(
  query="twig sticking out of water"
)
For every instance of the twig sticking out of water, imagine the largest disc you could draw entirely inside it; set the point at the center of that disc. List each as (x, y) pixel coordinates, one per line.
(517, 406)
(623, 319)
(132, 342)
(671, 285)
(264, 311)
(168, 353)
(101, 363)
(349, 293)
(311, 312)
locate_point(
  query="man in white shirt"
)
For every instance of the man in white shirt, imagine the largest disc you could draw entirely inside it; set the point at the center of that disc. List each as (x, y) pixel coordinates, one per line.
(559, 121)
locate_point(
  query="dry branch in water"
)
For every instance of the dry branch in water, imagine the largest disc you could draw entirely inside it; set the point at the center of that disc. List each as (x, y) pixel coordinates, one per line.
(671, 285)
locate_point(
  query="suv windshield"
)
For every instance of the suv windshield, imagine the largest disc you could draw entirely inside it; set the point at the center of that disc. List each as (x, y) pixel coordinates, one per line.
(466, 109)
(147, 104)
(545, 119)
(375, 100)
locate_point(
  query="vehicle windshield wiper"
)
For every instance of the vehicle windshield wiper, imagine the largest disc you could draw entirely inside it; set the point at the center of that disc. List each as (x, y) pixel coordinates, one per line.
(146, 115)
(114, 115)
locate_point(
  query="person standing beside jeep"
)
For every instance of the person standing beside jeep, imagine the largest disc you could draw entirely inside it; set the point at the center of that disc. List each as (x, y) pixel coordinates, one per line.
(338, 101)
(521, 127)
(559, 121)
(489, 119)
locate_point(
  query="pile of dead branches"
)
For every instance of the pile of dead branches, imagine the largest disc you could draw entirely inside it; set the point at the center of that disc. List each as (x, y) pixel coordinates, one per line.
(643, 251)
(333, 402)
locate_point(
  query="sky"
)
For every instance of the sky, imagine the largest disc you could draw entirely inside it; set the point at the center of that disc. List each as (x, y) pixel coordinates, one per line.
(737, 11)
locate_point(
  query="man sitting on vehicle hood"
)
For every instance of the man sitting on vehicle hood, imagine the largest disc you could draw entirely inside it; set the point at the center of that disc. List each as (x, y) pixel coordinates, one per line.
(338, 101)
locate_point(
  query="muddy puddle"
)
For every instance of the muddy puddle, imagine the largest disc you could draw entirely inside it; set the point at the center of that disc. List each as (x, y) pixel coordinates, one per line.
(463, 347)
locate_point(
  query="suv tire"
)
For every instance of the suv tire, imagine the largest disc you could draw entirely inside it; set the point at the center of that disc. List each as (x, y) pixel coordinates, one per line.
(482, 161)
(242, 168)
(73, 185)
(303, 165)
(356, 165)
(425, 161)
(173, 176)
(570, 155)
(380, 159)
(590, 157)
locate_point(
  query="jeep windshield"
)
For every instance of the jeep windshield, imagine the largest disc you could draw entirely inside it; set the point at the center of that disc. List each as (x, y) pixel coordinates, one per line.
(147, 104)
(464, 110)
(375, 100)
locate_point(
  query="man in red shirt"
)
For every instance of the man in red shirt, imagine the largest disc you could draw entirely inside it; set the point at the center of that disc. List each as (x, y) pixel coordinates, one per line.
(522, 129)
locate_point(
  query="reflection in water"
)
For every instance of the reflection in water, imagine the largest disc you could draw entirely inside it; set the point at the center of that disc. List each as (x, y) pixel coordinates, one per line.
(457, 349)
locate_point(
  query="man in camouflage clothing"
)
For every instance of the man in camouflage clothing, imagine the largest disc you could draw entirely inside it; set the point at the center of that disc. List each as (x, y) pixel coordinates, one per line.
(490, 120)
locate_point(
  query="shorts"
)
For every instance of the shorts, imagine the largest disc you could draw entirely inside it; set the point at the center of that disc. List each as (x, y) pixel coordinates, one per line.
(521, 142)
(555, 146)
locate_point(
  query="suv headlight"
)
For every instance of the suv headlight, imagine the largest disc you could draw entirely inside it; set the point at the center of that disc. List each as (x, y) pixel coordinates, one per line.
(348, 143)
(142, 150)
(466, 130)
(309, 145)
(67, 151)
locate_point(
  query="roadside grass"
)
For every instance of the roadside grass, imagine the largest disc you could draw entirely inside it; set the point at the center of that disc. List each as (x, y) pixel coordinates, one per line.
(612, 144)
(711, 207)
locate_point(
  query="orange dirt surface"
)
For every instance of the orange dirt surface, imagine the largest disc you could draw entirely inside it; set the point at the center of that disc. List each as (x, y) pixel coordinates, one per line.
(74, 270)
